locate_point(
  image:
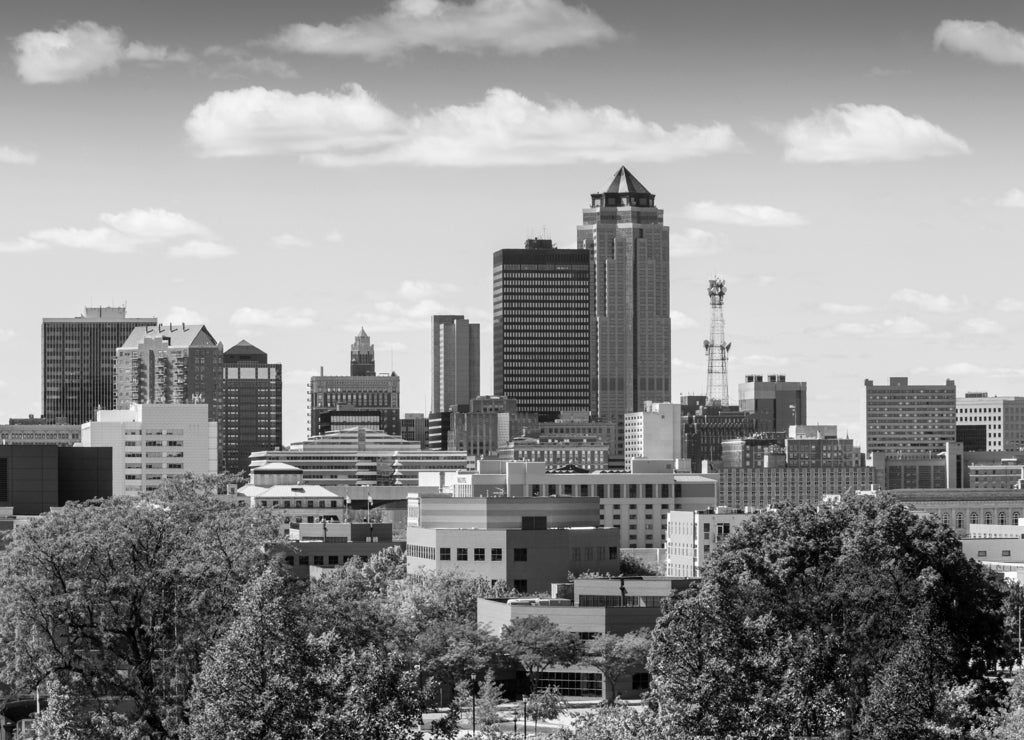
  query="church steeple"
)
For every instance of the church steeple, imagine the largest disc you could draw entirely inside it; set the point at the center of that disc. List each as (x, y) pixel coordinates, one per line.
(362, 362)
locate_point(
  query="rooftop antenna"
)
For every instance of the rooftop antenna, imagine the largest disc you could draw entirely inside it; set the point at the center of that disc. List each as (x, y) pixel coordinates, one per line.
(716, 348)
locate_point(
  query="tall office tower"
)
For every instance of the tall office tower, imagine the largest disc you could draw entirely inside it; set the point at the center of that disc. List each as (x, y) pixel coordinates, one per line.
(631, 333)
(79, 357)
(716, 348)
(172, 364)
(910, 420)
(542, 328)
(341, 401)
(362, 363)
(455, 370)
(777, 403)
(997, 422)
(252, 405)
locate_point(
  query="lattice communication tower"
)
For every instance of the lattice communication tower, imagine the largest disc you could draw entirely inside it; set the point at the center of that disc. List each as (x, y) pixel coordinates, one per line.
(716, 347)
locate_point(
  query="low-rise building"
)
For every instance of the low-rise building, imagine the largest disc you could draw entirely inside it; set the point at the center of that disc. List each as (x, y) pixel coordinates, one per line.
(959, 508)
(40, 431)
(584, 453)
(37, 478)
(328, 544)
(694, 535)
(759, 488)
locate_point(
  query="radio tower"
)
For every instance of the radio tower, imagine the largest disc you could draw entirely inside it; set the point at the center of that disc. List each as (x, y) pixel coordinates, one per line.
(716, 348)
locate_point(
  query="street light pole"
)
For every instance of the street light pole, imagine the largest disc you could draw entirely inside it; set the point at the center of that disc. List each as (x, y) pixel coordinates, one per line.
(474, 705)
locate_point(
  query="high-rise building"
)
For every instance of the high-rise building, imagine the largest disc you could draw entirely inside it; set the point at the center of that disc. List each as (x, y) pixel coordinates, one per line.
(340, 401)
(909, 420)
(362, 363)
(252, 405)
(542, 328)
(455, 370)
(1001, 419)
(631, 331)
(78, 361)
(777, 403)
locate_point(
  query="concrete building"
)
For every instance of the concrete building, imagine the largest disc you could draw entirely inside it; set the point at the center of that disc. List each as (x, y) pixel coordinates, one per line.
(362, 363)
(583, 453)
(526, 542)
(999, 547)
(959, 508)
(488, 424)
(455, 366)
(820, 446)
(579, 425)
(327, 545)
(374, 400)
(760, 488)
(905, 419)
(636, 502)
(542, 299)
(78, 361)
(693, 536)
(777, 403)
(152, 442)
(706, 426)
(760, 450)
(35, 478)
(1002, 418)
(655, 432)
(628, 243)
(40, 431)
(415, 429)
(356, 456)
(251, 419)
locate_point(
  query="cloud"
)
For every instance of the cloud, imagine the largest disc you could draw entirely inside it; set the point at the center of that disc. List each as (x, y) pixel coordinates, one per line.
(182, 315)
(335, 237)
(898, 326)
(200, 249)
(693, 242)
(398, 316)
(743, 215)
(680, 320)
(866, 133)
(81, 50)
(1014, 198)
(984, 39)
(349, 127)
(1009, 305)
(765, 360)
(153, 224)
(278, 318)
(982, 326)
(416, 290)
(506, 26)
(844, 308)
(235, 62)
(10, 155)
(928, 301)
(288, 241)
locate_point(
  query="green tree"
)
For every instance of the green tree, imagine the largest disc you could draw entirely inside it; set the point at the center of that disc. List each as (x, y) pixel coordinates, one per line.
(544, 704)
(811, 620)
(536, 642)
(632, 565)
(618, 655)
(114, 602)
(448, 651)
(612, 722)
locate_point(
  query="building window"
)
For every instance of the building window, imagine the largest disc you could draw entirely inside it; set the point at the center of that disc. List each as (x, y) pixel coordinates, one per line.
(1002, 518)
(1006, 553)
(519, 555)
(332, 559)
(479, 554)
(318, 560)
(446, 553)
(613, 553)
(303, 559)
(982, 553)
(988, 517)
(462, 553)
(496, 554)
(519, 585)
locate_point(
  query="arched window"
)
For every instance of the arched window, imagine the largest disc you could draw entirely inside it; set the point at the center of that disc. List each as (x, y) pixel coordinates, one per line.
(974, 517)
(945, 518)
(988, 517)
(1014, 517)
(1002, 518)
(959, 520)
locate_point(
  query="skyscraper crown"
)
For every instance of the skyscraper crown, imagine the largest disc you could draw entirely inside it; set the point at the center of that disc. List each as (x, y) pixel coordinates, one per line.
(623, 190)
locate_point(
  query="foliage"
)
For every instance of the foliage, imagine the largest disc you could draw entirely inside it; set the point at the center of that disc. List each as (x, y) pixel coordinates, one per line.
(618, 655)
(113, 603)
(808, 621)
(535, 642)
(612, 722)
(545, 704)
(633, 565)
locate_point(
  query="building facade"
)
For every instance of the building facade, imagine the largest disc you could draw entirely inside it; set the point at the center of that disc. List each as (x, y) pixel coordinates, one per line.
(694, 535)
(361, 358)
(152, 442)
(777, 403)
(585, 453)
(40, 431)
(37, 477)
(1002, 418)
(628, 243)
(251, 419)
(905, 419)
(760, 488)
(706, 426)
(372, 399)
(654, 432)
(455, 362)
(79, 358)
(542, 300)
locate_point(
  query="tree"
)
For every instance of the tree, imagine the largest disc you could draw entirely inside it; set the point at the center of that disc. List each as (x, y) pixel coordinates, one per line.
(448, 651)
(114, 602)
(545, 704)
(618, 655)
(614, 721)
(536, 643)
(808, 621)
(632, 565)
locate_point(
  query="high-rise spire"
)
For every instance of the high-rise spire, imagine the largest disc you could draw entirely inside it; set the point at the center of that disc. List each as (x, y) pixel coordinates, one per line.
(362, 362)
(716, 347)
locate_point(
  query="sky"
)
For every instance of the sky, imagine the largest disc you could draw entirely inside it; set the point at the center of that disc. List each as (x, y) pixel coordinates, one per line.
(290, 172)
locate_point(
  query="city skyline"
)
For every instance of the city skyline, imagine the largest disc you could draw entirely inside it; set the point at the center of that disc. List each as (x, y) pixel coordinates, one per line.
(820, 159)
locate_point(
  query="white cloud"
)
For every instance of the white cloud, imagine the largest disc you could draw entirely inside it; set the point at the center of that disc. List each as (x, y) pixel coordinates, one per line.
(765, 360)
(507, 26)
(693, 242)
(10, 155)
(866, 133)
(742, 214)
(928, 301)
(1010, 305)
(680, 320)
(182, 315)
(844, 308)
(200, 249)
(99, 239)
(80, 50)
(22, 245)
(285, 317)
(288, 241)
(1014, 198)
(335, 237)
(982, 326)
(984, 39)
(153, 224)
(237, 62)
(898, 326)
(349, 128)
(6, 334)
(416, 290)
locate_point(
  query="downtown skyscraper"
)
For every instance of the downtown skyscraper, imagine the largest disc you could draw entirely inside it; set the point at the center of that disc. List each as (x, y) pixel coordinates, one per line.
(631, 333)
(455, 362)
(542, 302)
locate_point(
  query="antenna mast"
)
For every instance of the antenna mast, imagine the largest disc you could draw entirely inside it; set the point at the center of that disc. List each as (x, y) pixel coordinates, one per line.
(716, 348)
